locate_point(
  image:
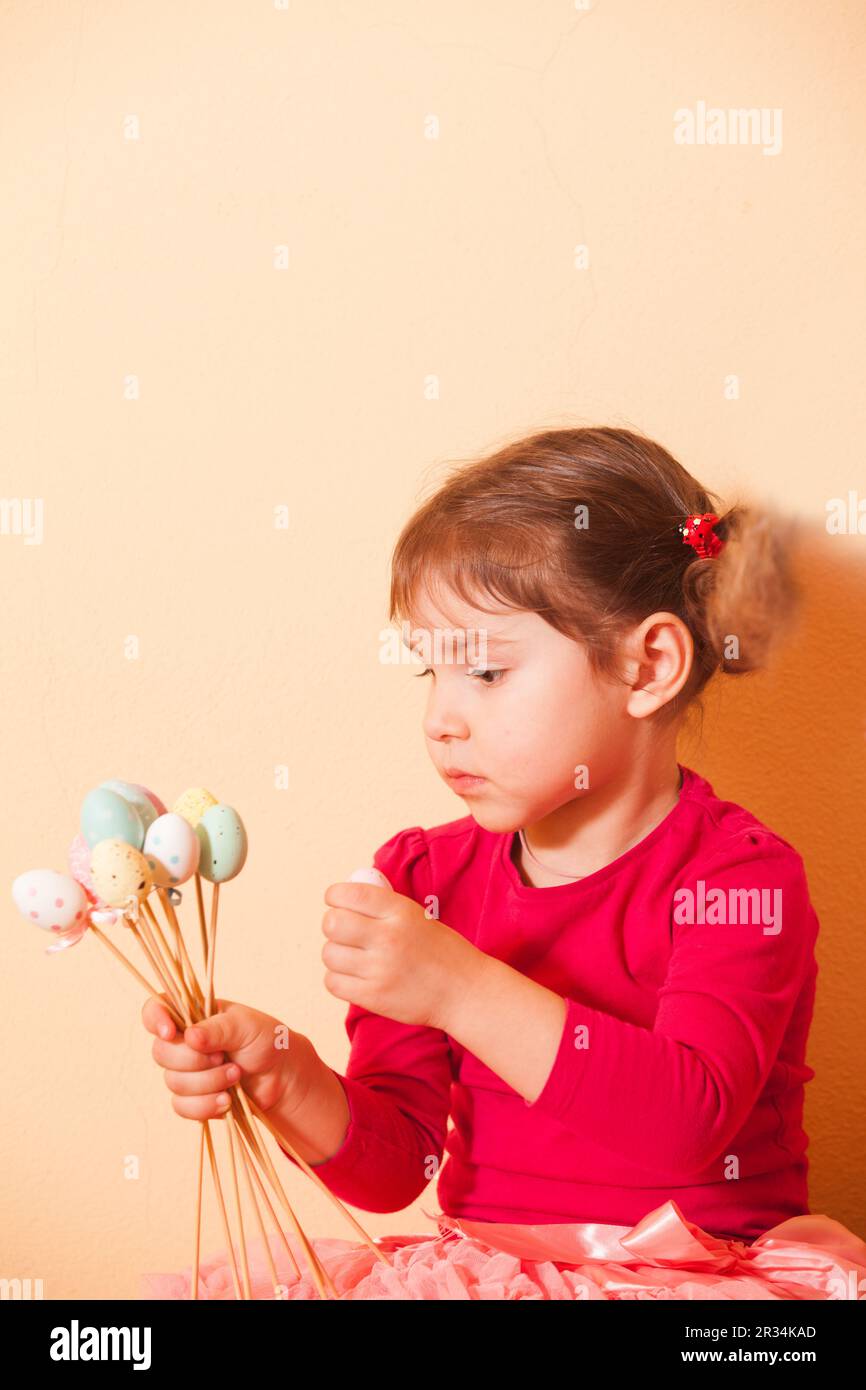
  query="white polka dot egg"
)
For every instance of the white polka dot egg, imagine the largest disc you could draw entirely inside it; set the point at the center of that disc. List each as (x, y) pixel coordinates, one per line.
(50, 900)
(171, 848)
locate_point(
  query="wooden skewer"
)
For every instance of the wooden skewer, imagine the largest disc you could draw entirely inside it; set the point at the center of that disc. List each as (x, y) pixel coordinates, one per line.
(265, 1198)
(138, 931)
(240, 1215)
(201, 922)
(194, 1292)
(320, 1274)
(136, 974)
(311, 1255)
(192, 1015)
(167, 950)
(172, 964)
(182, 1018)
(267, 1201)
(211, 957)
(168, 908)
(222, 1205)
(295, 1155)
(211, 945)
(239, 1099)
(301, 1161)
(311, 1172)
(156, 967)
(255, 1206)
(170, 967)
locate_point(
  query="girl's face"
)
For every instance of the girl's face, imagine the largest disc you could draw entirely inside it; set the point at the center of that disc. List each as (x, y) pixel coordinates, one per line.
(524, 715)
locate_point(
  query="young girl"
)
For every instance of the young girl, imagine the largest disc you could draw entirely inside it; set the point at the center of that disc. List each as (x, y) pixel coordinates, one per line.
(604, 974)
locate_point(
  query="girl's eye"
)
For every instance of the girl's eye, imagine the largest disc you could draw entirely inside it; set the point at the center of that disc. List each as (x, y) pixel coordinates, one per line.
(479, 671)
(488, 671)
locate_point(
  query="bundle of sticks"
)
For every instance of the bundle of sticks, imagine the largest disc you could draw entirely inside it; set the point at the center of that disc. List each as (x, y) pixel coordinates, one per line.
(116, 882)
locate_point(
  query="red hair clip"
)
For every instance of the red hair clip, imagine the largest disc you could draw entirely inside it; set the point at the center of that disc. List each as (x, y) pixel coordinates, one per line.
(698, 532)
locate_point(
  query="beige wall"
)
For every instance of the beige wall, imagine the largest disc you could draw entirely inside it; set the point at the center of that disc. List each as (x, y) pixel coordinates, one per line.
(408, 257)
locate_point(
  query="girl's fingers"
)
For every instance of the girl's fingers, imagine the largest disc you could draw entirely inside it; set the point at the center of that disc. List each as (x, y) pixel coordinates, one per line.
(346, 927)
(156, 1018)
(201, 1107)
(345, 960)
(202, 1083)
(179, 1057)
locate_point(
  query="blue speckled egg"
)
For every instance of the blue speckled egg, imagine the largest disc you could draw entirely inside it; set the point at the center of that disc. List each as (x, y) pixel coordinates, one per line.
(107, 816)
(223, 844)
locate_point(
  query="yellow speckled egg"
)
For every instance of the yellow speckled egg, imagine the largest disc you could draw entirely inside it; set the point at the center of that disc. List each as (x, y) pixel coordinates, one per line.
(193, 804)
(119, 871)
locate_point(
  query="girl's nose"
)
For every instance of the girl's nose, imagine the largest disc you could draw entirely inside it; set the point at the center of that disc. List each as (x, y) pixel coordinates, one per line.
(442, 718)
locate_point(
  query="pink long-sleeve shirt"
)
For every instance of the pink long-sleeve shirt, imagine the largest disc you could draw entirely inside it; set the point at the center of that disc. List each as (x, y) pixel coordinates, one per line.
(681, 1066)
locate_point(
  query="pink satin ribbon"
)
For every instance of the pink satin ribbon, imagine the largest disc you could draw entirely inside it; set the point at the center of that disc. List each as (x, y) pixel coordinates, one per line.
(802, 1257)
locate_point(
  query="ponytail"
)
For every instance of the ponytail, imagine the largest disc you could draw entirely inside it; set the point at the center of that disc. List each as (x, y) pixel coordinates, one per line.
(739, 604)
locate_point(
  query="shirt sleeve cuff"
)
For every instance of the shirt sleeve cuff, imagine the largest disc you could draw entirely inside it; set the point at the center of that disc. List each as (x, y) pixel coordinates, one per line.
(558, 1091)
(355, 1140)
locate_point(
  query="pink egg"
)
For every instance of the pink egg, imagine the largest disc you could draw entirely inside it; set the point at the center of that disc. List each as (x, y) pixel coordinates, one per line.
(151, 796)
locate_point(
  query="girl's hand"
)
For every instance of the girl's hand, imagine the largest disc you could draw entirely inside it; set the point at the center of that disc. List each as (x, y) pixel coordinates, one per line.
(236, 1044)
(384, 953)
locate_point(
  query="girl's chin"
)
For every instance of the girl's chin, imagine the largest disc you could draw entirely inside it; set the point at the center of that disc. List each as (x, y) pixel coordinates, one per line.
(498, 824)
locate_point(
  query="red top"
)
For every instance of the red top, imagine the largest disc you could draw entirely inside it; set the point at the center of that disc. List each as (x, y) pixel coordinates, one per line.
(681, 1066)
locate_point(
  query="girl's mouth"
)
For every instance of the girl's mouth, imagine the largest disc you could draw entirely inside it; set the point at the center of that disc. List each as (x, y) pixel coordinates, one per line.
(464, 781)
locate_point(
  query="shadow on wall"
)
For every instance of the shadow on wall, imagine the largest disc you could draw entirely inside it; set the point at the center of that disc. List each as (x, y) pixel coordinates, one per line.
(789, 743)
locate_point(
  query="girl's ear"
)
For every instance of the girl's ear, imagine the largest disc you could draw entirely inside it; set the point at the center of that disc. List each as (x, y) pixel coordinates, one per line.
(660, 652)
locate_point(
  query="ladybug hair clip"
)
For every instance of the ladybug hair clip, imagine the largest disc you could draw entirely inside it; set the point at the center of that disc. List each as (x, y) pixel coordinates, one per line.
(697, 531)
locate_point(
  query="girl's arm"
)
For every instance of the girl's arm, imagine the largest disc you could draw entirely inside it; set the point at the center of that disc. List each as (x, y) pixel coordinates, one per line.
(376, 1135)
(313, 1113)
(680, 1091)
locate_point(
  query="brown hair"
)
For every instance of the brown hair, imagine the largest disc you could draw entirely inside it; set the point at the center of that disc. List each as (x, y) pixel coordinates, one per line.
(505, 526)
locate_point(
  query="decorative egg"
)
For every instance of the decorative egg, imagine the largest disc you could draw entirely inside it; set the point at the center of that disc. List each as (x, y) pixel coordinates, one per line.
(374, 876)
(152, 797)
(119, 872)
(193, 804)
(135, 796)
(171, 848)
(107, 816)
(223, 844)
(51, 900)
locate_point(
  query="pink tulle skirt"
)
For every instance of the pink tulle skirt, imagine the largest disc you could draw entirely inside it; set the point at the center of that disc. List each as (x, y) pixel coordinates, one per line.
(663, 1256)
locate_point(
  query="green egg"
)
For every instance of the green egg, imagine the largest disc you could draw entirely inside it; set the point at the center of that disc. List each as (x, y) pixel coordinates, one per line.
(223, 842)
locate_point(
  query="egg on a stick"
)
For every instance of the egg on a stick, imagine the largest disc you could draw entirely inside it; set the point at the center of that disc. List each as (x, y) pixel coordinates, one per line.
(192, 805)
(123, 878)
(374, 876)
(55, 902)
(223, 855)
(105, 815)
(172, 849)
(144, 802)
